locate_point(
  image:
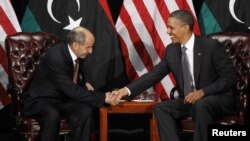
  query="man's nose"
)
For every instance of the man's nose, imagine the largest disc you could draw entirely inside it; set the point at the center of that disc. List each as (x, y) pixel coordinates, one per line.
(168, 30)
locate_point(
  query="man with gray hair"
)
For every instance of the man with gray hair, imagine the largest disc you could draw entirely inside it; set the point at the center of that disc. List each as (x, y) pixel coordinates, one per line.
(56, 90)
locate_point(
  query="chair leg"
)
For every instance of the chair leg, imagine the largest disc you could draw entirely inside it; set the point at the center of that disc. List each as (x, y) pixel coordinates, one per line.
(153, 130)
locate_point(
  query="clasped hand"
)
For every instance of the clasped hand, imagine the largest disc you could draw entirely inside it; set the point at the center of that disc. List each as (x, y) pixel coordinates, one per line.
(114, 97)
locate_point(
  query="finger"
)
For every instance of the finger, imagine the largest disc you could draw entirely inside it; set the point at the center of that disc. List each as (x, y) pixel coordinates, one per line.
(187, 100)
(115, 92)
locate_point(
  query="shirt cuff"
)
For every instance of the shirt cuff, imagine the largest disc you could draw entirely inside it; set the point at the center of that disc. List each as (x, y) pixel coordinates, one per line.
(129, 93)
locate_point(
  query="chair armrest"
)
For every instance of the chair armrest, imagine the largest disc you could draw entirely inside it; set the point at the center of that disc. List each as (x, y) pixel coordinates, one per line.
(172, 93)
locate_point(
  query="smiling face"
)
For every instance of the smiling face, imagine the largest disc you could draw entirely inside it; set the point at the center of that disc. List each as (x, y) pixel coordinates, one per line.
(178, 31)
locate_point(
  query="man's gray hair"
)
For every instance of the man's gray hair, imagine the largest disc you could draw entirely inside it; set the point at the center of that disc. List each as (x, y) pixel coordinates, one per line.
(76, 35)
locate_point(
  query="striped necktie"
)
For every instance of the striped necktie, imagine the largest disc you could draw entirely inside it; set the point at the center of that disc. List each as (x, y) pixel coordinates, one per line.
(187, 78)
(76, 68)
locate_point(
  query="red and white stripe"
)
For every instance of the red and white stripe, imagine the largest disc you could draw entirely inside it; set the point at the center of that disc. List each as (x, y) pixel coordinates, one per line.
(8, 25)
(143, 34)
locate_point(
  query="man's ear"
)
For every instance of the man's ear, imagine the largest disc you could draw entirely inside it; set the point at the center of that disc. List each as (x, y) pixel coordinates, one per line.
(186, 28)
(75, 46)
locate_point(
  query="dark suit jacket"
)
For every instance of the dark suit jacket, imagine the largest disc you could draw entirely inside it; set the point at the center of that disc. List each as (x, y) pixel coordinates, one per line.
(52, 83)
(213, 69)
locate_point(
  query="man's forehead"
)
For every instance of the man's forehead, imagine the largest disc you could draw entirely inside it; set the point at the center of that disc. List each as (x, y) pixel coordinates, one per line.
(174, 20)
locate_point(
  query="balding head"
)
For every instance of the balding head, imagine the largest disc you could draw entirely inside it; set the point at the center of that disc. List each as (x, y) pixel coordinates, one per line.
(79, 35)
(81, 41)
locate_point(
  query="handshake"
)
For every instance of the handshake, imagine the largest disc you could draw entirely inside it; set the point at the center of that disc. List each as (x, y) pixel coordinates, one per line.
(114, 97)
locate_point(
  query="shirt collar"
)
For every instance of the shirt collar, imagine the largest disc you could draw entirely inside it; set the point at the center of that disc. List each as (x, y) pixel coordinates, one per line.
(190, 43)
(72, 54)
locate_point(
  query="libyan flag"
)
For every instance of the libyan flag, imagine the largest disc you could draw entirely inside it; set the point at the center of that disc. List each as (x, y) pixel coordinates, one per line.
(104, 67)
(224, 15)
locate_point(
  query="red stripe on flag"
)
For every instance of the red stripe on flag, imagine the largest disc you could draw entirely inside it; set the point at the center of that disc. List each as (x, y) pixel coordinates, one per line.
(106, 8)
(131, 72)
(10, 26)
(161, 5)
(6, 23)
(3, 60)
(4, 98)
(160, 91)
(138, 45)
(158, 44)
(149, 24)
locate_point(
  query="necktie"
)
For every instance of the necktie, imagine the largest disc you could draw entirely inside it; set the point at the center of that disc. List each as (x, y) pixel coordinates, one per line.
(76, 68)
(187, 78)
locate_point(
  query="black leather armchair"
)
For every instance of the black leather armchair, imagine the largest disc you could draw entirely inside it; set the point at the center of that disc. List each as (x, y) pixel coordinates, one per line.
(24, 51)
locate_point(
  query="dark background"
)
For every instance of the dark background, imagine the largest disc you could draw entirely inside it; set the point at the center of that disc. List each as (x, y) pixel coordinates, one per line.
(135, 130)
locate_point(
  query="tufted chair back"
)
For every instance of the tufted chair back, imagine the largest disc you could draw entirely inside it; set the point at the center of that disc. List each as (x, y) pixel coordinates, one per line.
(24, 52)
(237, 44)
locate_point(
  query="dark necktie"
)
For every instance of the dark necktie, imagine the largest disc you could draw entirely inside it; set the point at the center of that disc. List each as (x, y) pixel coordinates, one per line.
(187, 78)
(76, 68)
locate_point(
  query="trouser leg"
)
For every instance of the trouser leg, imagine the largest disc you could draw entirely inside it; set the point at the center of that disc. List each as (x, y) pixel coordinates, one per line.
(80, 120)
(166, 114)
(49, 119)
(203, 113)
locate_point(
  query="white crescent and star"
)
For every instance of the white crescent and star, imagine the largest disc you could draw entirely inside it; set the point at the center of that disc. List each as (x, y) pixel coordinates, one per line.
(72, 23)
(78, 3)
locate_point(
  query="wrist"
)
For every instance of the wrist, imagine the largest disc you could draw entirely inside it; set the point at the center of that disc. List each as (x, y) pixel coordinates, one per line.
(202, 92)
(107, 97)
(125, 91)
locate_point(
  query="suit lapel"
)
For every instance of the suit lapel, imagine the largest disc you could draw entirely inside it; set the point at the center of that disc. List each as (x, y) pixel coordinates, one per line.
(198, 55)
(68, 58)
(177, 58)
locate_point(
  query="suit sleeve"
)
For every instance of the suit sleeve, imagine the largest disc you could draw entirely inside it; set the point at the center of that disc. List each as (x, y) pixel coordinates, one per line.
(62, 79)
(149, 79)
(224, 69)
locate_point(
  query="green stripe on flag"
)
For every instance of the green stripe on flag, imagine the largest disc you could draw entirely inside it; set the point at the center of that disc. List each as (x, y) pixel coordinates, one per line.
(208, 23)
(29, 23)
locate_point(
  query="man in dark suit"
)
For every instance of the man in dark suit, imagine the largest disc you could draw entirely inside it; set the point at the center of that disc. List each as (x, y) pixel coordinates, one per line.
(206, 90)
(53, 93)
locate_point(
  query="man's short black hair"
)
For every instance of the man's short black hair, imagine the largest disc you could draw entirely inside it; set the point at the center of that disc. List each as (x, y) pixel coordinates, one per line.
(185, 17)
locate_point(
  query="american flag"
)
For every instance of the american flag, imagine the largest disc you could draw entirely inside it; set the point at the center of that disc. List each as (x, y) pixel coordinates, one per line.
(8, 25)
(143, 35)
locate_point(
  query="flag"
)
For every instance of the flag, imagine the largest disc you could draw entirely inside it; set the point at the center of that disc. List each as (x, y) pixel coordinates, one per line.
(224, 15)
(142, 28)
(8, 25)
(104, 67)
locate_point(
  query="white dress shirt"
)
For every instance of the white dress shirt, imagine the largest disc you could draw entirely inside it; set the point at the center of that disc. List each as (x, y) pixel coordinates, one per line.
(190, 54)
(72, 54)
